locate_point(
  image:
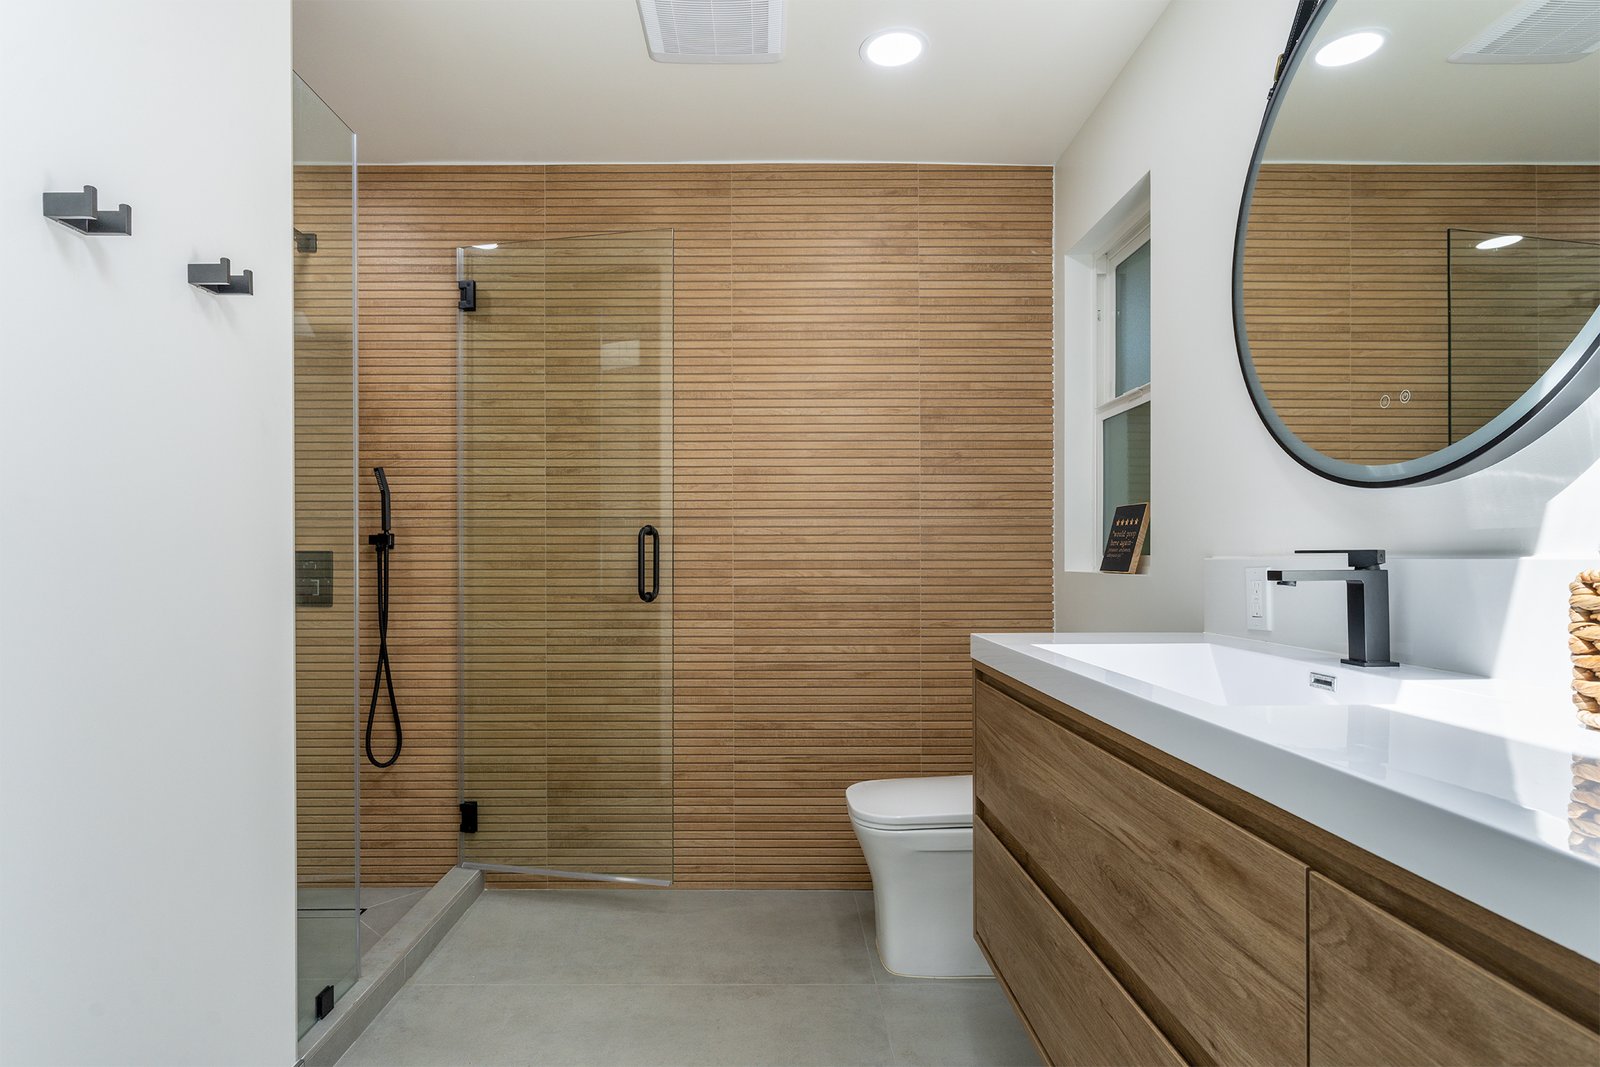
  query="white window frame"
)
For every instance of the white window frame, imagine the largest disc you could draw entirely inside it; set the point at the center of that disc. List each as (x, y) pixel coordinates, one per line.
(1108, 403)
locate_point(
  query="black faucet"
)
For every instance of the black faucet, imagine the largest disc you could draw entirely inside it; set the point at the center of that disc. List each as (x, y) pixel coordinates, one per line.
(1366, 600)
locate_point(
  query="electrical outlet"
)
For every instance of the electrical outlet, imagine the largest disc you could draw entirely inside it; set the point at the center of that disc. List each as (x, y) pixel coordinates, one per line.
(1257, 599)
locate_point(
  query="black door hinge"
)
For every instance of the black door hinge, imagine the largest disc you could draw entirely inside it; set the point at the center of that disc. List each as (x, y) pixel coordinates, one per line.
(469, 296)
(325, 1001)
(469, 816)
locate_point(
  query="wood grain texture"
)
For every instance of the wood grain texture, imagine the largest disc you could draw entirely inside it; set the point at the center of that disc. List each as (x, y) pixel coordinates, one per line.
(1073, 1006)
(1346, 288)
(1203, 922)
(862, 477)
(1382, 992)
(1546, 971)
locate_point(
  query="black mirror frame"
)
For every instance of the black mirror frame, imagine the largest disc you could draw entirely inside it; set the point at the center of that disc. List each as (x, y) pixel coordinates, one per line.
(1569, 381)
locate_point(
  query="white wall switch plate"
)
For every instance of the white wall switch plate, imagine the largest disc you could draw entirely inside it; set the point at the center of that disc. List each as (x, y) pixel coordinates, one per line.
(1257, 599)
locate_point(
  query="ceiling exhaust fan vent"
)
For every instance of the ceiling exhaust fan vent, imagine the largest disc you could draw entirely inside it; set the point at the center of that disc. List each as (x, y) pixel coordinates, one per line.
(713, 31)
(1543, 31)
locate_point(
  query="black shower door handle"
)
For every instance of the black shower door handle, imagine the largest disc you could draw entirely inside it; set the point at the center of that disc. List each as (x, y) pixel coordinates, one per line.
(654, 591)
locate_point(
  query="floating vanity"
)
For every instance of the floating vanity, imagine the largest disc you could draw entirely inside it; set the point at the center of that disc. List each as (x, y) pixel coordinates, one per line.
(1199, 849)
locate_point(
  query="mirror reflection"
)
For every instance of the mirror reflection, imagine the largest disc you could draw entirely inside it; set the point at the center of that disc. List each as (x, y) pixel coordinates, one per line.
(1423, 239)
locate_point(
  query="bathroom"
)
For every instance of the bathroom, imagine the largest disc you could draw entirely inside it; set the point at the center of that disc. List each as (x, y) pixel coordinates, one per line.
(744, 655)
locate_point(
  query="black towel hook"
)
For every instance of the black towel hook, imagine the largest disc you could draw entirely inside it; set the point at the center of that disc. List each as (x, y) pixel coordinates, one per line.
(80, 212)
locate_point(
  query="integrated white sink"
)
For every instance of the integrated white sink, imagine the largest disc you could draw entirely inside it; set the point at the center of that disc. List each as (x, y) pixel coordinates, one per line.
(1226, 671)
(1456, 778)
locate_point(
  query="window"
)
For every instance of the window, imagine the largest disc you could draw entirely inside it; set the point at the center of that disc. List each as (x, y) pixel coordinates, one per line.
(1122, 323)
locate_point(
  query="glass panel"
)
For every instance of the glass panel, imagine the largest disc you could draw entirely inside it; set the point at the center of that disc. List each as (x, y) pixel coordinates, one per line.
(1125, 452)
(566, 453)
(325, 538)
(1133, 320)
(1515, 306)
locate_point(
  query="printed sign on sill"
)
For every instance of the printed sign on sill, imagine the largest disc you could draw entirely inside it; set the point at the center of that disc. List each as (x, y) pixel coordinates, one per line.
(1125, 542)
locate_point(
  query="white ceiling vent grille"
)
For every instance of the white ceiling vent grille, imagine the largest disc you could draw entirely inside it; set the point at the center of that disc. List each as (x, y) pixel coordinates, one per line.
(713, 31)
(1543, 31)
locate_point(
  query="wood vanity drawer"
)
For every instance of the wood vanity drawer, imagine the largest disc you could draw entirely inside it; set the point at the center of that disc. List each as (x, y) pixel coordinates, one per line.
(1075, 1008)
(1202, 922)
(1383, 992)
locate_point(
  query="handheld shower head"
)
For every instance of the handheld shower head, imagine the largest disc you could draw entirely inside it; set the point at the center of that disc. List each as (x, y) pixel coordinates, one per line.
(383, 493)
(384, 677)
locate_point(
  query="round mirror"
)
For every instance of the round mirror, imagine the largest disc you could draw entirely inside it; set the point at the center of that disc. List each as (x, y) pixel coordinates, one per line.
(1417, 270)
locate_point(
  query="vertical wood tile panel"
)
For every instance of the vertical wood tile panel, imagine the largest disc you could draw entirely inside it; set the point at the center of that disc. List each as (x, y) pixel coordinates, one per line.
(826, 439)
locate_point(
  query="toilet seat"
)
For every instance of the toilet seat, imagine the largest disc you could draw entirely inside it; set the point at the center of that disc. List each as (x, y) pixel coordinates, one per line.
(912, 803)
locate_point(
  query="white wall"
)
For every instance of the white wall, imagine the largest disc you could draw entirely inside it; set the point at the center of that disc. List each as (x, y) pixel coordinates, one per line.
(1185, 111)
(146, 622)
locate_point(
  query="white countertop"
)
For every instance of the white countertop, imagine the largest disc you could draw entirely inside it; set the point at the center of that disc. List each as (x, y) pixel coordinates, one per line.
(1470, 793)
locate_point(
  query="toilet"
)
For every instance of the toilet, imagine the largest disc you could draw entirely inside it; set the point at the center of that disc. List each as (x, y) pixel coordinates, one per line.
(917, 837)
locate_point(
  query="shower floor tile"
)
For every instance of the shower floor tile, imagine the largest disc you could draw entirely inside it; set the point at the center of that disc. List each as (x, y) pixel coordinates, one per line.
(681, 977)
(328, 924)
(381, 908)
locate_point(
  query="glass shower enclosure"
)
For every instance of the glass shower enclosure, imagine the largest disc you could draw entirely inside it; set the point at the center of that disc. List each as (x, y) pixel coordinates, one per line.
(1515, 303)
(325, 530)
(565, 507)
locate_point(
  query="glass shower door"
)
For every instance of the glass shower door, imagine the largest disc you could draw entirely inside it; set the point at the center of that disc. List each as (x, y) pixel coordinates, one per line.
(326, 608)
(565, 502)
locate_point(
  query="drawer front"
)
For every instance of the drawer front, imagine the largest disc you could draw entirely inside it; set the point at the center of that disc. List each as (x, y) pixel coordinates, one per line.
(1383, 992)
(1075, 1008)
(1203, 922)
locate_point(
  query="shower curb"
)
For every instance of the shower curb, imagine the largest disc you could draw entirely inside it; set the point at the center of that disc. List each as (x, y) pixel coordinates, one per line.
(386, 967)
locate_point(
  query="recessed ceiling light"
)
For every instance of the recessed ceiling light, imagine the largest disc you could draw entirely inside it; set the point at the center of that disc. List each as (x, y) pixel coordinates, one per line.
(487, 248)
(1351, 48)
(893, 48)
(1503, 241)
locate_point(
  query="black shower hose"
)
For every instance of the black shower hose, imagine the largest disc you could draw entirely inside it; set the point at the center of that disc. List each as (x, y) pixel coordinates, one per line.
(383, 676)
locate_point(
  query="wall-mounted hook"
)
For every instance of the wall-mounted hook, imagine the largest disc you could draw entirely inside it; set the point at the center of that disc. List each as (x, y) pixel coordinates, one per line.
(79, 211)
(305, 242)
(214, 278)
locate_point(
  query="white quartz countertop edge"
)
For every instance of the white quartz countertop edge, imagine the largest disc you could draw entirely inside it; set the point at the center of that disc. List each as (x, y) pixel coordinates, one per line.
(1551, 891)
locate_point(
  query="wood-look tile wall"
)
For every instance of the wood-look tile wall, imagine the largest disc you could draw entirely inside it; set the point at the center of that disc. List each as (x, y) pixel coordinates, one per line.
(1346, 288)
(862, 447)
(325, 500)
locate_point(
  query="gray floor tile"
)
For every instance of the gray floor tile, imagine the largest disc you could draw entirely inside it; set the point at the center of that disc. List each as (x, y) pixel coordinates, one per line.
(387, 966)
(627, 1025)
(955, 1024)
(681, 978)
(677, 937)
(381, 914)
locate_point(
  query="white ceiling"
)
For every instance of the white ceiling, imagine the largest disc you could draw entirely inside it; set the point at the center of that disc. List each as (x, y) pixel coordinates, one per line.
(561, 81)
(1407, 104)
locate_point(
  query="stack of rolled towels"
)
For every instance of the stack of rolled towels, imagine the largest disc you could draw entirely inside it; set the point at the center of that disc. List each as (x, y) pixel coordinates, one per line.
(1583, 639)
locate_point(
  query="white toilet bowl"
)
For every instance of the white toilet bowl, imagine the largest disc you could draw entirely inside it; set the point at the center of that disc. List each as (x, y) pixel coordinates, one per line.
(917, 837)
